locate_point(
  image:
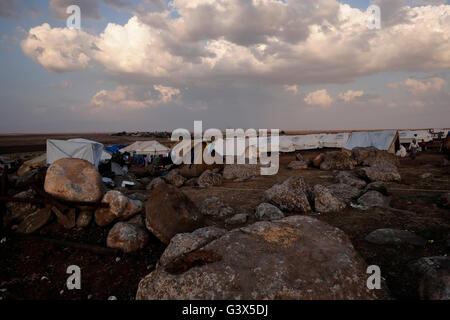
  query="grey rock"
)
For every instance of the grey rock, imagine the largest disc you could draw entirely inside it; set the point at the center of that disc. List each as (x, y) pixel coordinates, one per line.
(395, 236)
(291, 195)
(127, 237)
(348, 177)
(237, 219)
(268, 212)
(373, 199)
(325, 201)
(209, 178)
(214, 207)
(434, 275)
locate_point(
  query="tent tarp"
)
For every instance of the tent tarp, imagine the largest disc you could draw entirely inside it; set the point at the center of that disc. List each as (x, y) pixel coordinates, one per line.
(408, 135)
(382, 140)
(150, 147)
(74, 148)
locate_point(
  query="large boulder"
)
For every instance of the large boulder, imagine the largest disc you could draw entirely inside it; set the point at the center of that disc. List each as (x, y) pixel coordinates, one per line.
(394, 237)
(183, 243)
(127, 237)
(350, 178)
(209, 178)
(120, 207)
(325, 201)
(344, 192)
(381, 172)
(434, 275)
(298, 257)
(169, 211)
(239, 171)
(267, 211)
(213, 207)
(175, 178)
(336, 160)
(74, 180)
(291, 195)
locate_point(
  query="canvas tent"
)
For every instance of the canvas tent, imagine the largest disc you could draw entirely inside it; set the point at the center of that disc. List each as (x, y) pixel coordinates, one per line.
(407, 136)
(332, 140)
(383, 140)
(150, 147)
(74, 148)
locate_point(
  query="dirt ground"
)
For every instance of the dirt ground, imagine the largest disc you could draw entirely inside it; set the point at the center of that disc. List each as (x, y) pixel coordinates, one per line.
(35, 268)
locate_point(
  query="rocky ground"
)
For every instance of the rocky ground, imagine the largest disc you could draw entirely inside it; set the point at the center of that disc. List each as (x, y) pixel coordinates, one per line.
(345, 207)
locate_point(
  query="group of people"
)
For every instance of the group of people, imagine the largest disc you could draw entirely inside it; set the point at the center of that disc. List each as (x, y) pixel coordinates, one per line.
(413, 149)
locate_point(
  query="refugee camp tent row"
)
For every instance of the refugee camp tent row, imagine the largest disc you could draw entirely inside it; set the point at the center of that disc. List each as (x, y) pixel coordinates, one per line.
(387, 140)
(406, 136)
(89, 150)
(150, 148)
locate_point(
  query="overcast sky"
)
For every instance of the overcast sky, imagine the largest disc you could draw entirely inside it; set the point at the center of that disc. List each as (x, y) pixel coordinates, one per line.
(160, 65)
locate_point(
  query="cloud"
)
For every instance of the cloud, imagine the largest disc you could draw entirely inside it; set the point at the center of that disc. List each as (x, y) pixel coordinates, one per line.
(319, 97)
(419, 87)
(350, 95)
(265, 41)
(126, 98)
(291, 88)
(63, 85)
(89, 8)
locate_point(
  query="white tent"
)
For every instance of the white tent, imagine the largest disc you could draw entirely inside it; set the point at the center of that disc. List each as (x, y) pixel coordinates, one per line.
(332, 140)
(305, 142)
(150, 147)
(286, 144)
(407, 136)
(74, 148)
(382, 140)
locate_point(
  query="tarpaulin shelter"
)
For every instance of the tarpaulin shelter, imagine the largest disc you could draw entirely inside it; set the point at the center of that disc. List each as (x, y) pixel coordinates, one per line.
(74, 148)
(114, 148)
(150, 147)
(332, 140)
(387, 140)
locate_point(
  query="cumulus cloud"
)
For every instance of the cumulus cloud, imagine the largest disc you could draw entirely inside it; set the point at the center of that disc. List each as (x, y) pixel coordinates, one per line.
(270, 41)
(291, 88)
(418, 87)
(350, 95)
(125, 97)
(319, 98)
(89, 8)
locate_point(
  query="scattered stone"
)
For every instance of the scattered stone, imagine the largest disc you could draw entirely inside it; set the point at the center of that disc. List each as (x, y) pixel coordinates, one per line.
(175, 178)
(84, 218)
(373, 199)
(317, 161)
(385, 173)
(350, 178)
(395, 236)
(268, 212)
(336, 160)
(434, 274)
(370, 156)
(191, 182)
(214, 207)
(120, 207)
(237, 219)
(138, 220)
(28, 177)
(66, 220)
(209, 178)
(237, 171)
(17, 211)
(184, 243)
(325, 201)
(379, 186)
(153, 183)
(127, 237)
(296, 165)
(226, 267)
(138, 196)
(74, 180)
(169, 211)
(291, 195)
(344, 192)
(35, 221)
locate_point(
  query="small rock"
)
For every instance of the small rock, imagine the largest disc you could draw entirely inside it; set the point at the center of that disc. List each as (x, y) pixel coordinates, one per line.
(237, 171)
(385, 173)
(120, 207)
(373, 199)
(325, 201)
(296, 165)
(208, 178)
(291, 195)
(127, 237)
(336, 160)
(84, 218)
(268, 212)
(379, 186)
(350, 178)
(35, 221)
(175, 178)
(17, 211)
(434, 275)
(344, 192)
(215, 208)
(153, 183)
(237, 219)
(395, 236)
(66, 220)
(317, 161)
(138, 196)
(191, 182)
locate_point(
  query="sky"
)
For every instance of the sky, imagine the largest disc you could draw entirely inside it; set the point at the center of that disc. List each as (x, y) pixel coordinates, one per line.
(144, 65)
